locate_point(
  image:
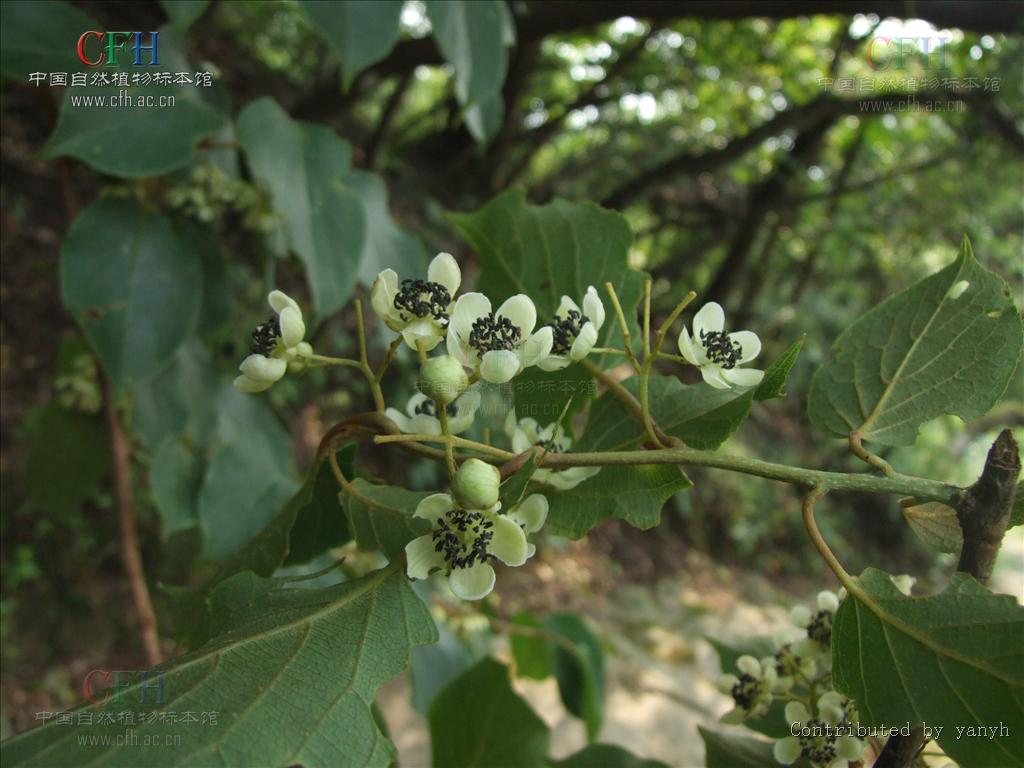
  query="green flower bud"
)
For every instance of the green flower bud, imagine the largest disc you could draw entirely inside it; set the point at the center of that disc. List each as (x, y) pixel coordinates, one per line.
(442, 379)
(476, 484)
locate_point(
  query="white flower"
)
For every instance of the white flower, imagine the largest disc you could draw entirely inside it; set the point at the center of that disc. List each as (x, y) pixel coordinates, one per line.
(418, 309)
(575, 330)
(822, 741)
(530, 515)
(277, 343)
(526, 433)
(719, 354)
(422, 414)
(751, 691)
(500, 344)
(790, 665)
(461, 544)
(818, 625)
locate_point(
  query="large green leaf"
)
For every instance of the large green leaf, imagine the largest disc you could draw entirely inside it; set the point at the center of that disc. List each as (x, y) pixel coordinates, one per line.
(700, 415)
(531, 650)
(41, 37)
(434, 666)
(154, 129)
(634, 493)
(132, 279)
(360, 32)
(320, 522)
(606, 756)
(175, 476)
(290, 674)
(380, 516)
(580, 673)
(304, 167)
(471, 36)
(952, 659)
(948, 344)
(478, 721)
(387, 245)
(249, 475)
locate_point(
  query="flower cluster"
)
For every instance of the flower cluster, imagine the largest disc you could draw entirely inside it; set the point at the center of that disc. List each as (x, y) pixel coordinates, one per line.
(469, 531)
(799, 673)
(277, 345)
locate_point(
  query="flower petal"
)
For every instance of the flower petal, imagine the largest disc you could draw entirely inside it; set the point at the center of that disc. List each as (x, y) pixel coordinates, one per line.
(743, 377)
(279, 300)
(553, 362)
(422, 331)
(508, 543)
(749, 665)
(593, 307)
(584, 342)
(469, 308)
(445, 270)
(382, 297)
(472, 583)
(434, 507)
(521, 441)
(565, 479)
(565, 306)
(827, 601)
(262, 368)
(401, 420)
(422, 558)
(520, 311)
(292, 327)
(710, 318)
(246, 384)
(531, 512)
(750, 345)
(689, 350)
(421, 424)
(713, 375)
(849, 748)
(499, 366)
(796, 712)
(538, 346)
(468, 403)
(787, 751)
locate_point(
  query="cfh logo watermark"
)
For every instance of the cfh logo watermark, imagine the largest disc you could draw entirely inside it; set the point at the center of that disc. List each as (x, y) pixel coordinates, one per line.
(884, 53)
(97, 49)
(147, 687)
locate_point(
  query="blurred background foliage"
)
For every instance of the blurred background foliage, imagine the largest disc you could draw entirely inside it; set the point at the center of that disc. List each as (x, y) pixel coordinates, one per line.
(745, 177)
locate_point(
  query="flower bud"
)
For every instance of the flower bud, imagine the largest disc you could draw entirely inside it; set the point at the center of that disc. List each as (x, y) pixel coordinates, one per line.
(442, 379)
(476, 484)
(298, 360)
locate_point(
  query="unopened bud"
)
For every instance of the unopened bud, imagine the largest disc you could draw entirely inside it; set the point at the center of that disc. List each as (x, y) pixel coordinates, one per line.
(476, 484)
(442, 379)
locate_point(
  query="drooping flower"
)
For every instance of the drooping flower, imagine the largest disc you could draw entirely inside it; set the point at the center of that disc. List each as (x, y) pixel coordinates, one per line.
(824, 741)
(526, 433)
(719, 353)
(818, 625)
(420, 417)
(751, 691)
(574, 330)
(462, 543)
(276, 344)
(499, 344)
(418, 309)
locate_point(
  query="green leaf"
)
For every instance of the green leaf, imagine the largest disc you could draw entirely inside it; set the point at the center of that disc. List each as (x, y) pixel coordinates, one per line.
(634, 493)
(132, 280)
(484, 119)
(153, 131)
(952, 659)
(729, 751)
(606, 756)
(304, 167)
(387, 245)
(1017, 510)
(936, 525)
(380, 516)
(470, 36)
(68, 458)
(478, 721)
(948, 344)
(41, 37)
(183, 13)
(359, 32)
(580, 673)
(773, 384)
(514, 488)
(290, 672)
(532, 653)
(250, 470)
(320, 522)
(175, 476)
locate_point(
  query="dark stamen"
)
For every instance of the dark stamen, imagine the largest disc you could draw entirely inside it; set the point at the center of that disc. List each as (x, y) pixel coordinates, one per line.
(428, 408)
(820, 750)
(490, 333)
(265, 336)
(549, 445)
(451, 540)
(422, 298)
(746, 690)
(720, 349)
(565, 330)
(820, 628)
